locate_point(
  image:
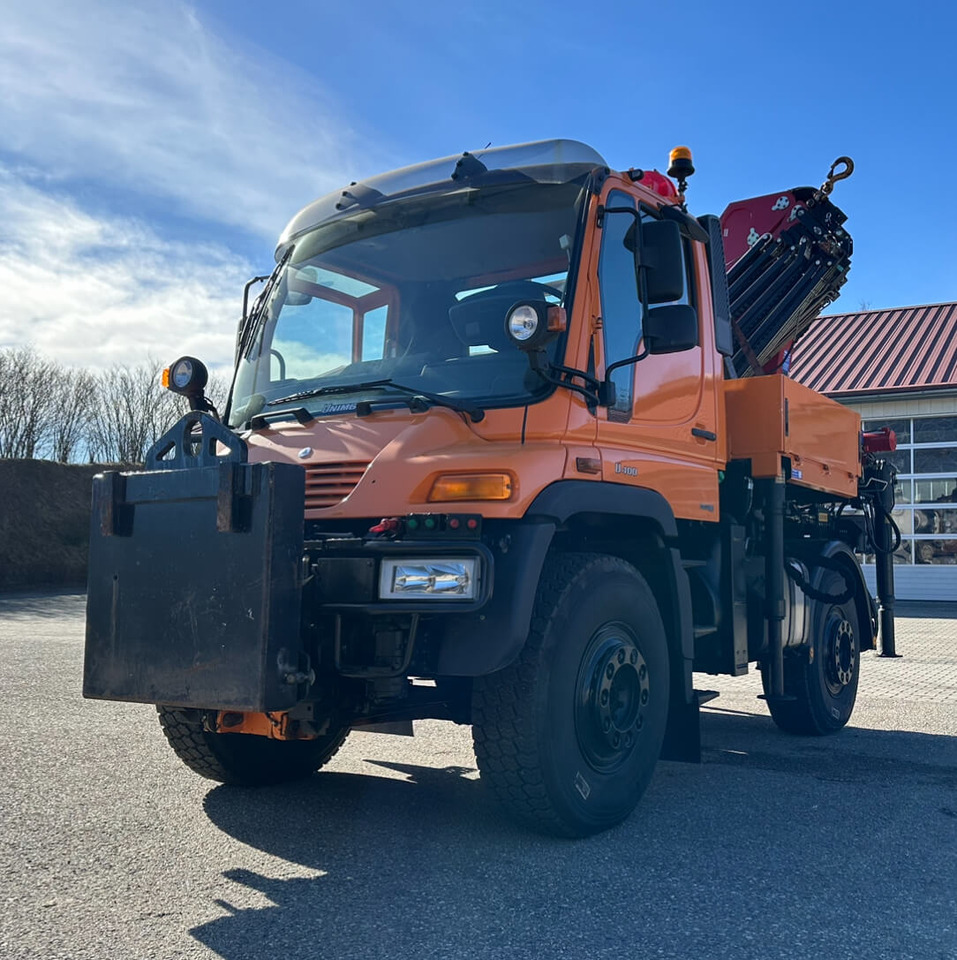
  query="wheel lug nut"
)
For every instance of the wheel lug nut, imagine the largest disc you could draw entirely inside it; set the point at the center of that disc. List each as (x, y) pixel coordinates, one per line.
(616, 739)
(621, 656)
(640, 722)
(606, 726)
(642, 670)
(610, 670)
(604, 697)
(634, 656)
(644, 696)
(628, 739)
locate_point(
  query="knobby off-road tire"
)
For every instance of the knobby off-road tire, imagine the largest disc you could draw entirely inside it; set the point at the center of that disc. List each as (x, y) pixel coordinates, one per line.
(241, 759)
(568, 735)
(823, 679)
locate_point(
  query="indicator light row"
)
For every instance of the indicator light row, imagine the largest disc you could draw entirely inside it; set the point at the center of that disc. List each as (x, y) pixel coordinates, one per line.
(429, 525)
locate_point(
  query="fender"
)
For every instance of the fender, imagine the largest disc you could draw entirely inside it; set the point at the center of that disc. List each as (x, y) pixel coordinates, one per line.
(566, 498)
(866, 608)
(471, 646)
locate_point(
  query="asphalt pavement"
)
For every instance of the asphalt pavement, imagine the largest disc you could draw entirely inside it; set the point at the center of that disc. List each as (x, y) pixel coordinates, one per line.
(773, 847)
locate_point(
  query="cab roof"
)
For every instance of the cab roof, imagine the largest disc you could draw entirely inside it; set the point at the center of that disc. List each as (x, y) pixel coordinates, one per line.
(544, 161)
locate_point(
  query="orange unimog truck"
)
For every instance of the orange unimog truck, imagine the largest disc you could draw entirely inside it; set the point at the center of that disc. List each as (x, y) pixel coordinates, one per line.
(502, 449)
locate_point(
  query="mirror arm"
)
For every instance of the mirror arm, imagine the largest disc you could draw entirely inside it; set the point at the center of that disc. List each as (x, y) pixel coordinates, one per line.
(606, 210)
(688, 224)
(544, 369)
(572, 372)
(623, 363)
(249, 283)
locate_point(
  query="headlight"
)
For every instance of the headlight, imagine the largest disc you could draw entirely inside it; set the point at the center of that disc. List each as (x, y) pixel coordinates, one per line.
(523, 321)
(187, 376)
(533, 323)
(437, 579)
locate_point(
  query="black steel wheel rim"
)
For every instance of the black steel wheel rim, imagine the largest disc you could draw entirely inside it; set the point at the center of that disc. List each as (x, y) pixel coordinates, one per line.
(840, 652)
(611, 697)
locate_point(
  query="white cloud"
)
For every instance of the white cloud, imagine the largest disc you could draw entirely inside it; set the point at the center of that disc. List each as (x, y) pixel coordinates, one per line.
(147, 98)
(95, 292)
(115, 116)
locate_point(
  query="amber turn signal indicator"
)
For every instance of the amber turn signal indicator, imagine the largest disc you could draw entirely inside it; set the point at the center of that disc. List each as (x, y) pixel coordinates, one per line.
(471, 486)
(165, 379)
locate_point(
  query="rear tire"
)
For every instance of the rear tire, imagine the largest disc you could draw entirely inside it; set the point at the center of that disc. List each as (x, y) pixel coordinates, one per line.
(822, 679)
(242, 759)
(569, 734)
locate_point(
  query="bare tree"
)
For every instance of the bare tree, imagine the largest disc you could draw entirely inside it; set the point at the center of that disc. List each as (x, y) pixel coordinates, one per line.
(74, 397)
(132, 410)
(28, 403)
(217, 390)
(47, 410)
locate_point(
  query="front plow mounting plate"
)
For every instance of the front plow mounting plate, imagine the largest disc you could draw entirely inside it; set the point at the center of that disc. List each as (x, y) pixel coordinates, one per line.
(194, 586)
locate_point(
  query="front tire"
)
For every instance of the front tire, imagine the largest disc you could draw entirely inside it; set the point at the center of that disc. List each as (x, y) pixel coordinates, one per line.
(569, 734)
(241, 759)
(822, 680)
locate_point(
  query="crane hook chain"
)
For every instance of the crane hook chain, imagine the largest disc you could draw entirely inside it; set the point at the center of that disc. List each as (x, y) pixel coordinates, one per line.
(833, 176)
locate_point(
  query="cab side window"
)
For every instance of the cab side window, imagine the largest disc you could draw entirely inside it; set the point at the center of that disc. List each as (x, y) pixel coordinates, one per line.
(621, 297)
(620, 301)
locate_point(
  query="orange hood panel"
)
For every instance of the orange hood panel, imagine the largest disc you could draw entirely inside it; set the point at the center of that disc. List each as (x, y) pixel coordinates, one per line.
(385, 465)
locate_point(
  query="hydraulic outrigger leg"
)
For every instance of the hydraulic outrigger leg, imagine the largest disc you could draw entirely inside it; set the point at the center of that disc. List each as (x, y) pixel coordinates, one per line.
(884, 537)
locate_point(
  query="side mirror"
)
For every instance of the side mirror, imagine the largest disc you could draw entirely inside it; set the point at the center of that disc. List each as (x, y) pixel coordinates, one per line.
(671, 329)
(661, 258)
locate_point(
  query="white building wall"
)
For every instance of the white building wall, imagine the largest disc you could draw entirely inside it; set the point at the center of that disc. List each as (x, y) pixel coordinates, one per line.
(913, 407)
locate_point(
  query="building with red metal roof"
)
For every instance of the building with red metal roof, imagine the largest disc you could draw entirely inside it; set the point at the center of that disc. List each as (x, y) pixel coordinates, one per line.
(898, 368)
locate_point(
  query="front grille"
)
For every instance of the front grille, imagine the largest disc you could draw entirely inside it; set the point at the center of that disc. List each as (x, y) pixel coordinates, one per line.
(330, 483)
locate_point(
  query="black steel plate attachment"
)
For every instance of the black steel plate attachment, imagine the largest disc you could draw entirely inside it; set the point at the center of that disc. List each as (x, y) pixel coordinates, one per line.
(194, 585)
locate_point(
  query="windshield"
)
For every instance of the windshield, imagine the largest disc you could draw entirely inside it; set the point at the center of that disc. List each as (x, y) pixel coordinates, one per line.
(414, 291)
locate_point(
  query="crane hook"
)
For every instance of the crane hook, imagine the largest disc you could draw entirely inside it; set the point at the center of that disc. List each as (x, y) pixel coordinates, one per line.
(833, 176)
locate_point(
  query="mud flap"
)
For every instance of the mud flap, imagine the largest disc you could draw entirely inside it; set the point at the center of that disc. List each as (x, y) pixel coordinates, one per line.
(194, 587)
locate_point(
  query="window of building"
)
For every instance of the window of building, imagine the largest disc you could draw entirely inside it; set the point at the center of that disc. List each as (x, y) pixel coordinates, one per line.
(926, 512)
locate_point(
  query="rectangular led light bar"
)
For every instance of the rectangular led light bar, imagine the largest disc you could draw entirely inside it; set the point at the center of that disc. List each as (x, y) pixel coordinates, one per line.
(418, 578)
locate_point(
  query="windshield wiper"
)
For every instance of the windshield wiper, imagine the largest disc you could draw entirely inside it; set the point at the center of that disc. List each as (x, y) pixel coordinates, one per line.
(301, 414)
(475, 413)
(329, 391)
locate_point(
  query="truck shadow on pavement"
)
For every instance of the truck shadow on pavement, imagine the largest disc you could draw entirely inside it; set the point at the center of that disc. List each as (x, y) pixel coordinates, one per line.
(878, 757)
(426, 866)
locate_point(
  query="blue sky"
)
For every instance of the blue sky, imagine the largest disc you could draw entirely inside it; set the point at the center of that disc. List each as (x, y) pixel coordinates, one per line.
(151, 152)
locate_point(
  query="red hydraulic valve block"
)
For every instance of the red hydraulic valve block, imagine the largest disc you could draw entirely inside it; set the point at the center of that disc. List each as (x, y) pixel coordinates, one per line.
(879, 441)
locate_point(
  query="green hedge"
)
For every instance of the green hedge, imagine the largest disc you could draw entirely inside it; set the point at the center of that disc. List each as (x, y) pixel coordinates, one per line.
(44, 522)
